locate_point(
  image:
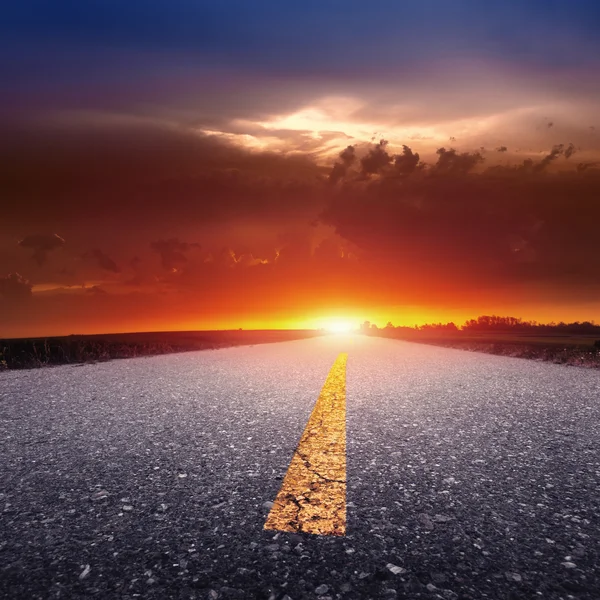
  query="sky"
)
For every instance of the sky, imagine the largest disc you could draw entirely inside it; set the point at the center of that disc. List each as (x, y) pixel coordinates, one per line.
(209, 165)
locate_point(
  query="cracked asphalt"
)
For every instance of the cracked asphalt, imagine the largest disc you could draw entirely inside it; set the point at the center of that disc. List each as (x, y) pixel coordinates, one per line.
(468, 476)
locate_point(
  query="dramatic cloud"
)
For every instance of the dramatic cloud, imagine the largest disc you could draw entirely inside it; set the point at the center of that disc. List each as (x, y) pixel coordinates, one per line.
(376, 159)
(503, 226)
(557, 150)
(141, 173)
(348, 157)
(42, 244)
(14, 287)
(407, 162)
(359, 180)
(450, 162)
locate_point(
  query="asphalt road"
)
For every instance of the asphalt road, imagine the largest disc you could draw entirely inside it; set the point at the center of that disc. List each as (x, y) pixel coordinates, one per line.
(468, 476)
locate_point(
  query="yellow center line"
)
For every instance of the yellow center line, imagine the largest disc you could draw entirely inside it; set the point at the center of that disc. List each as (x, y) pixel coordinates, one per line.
(312, 498)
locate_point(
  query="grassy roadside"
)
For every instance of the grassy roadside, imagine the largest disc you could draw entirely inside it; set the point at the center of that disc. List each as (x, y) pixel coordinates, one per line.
(580, 351)
(78, 349)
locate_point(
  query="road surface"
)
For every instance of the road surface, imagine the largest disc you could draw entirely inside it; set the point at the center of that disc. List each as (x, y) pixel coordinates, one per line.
(468, 476)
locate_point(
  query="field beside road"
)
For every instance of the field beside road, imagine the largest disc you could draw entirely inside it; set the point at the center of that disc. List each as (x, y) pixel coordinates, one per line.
(73, 349)
(575, 350)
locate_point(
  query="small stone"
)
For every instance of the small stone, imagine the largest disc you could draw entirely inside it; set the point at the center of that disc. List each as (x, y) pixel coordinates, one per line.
(85, 572)
(442, 518)
(182, 475)
(513, 576)
(272, 547)
(363, 575)
(286, 597)
(212, 595)
(396, 570)
(568, 564)
(390, 593)
(346, 587)
(430, 587)
(322, 589)
(268, 505)
(127, 507)
(100, 495)
(426, 521)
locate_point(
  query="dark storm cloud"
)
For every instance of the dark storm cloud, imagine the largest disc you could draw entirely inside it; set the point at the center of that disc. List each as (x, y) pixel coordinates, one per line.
(407, 162)
(557, 150)
(104, 261)
(172, 252)
(14, 287)
(347, 159)
(140, 172)
(570, 150)
(376, 159)
(499, 227)
(581, 167)
(42, 244)
(451, 162)
(348, 156)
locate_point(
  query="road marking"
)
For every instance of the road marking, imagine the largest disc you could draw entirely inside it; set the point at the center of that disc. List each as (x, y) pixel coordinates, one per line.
(312, 498)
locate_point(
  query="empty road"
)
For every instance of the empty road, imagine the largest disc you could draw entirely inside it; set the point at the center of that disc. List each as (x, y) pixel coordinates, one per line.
(468, 476)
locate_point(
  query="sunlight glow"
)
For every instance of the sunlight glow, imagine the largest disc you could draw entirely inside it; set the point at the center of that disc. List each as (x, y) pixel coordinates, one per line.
(339, 326)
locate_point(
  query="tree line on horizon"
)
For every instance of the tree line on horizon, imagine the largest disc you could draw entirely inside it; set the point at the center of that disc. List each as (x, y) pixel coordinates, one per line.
(492, 323)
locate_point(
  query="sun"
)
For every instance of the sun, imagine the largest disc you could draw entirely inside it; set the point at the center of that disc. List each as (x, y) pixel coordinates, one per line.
(338, 326)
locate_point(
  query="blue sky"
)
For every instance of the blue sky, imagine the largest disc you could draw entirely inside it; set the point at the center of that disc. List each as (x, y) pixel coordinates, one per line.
(306, 38)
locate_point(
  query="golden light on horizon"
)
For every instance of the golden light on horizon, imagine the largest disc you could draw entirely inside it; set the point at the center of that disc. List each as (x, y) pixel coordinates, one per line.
(338, 325)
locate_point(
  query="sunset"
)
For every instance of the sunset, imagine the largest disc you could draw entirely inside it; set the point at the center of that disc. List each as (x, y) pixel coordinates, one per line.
(170, 178)
(300, 299)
